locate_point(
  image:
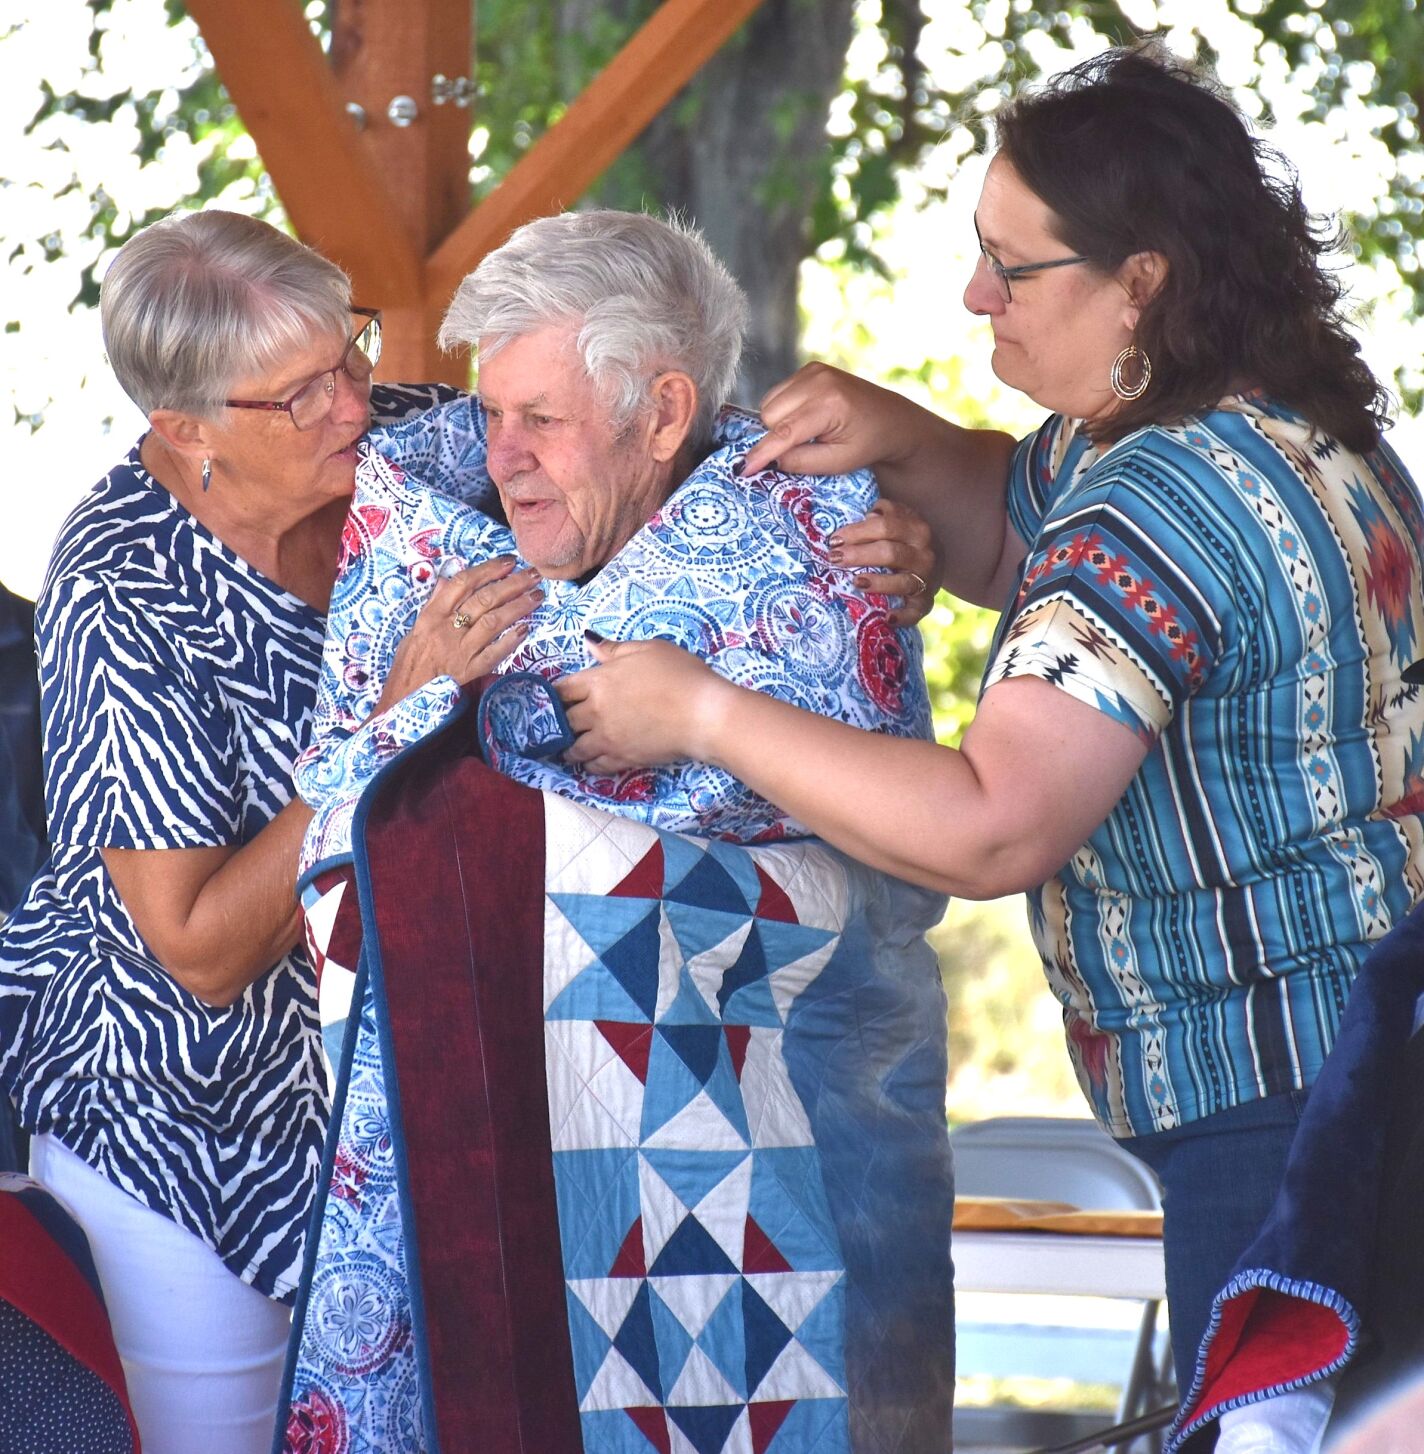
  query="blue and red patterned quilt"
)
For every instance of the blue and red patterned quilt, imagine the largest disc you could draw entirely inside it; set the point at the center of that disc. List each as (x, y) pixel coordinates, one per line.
(638, 1145)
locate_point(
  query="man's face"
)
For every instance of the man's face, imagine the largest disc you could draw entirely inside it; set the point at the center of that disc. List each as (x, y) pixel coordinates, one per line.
(574, 491)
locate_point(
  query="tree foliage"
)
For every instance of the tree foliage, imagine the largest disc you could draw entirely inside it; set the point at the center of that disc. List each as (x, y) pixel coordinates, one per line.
(792, 142)
(919, 73)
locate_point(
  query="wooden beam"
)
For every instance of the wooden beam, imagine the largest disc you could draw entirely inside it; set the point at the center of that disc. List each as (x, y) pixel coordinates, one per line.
(617, 105)
(381, 49)
(277, 76)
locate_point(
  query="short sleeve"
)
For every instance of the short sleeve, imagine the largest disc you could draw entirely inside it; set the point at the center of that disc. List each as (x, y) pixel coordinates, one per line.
(138, 749)
(1119, 605)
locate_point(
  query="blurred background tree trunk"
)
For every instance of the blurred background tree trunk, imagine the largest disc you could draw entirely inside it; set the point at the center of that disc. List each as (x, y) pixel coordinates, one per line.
(742, 152)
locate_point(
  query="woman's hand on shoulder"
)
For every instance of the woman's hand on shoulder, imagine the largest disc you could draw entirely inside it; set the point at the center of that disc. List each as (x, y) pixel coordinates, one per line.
(897, 539)
(472, 621)
(824, 421)
(644, 704)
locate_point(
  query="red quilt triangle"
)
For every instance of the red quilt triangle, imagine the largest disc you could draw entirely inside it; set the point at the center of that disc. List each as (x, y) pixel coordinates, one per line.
(630, 1261)
(652, 1424)
(766, 1419)
(633, 1042)
(774, 903)
(759, 1252)
(738, 1038)
(645, 879)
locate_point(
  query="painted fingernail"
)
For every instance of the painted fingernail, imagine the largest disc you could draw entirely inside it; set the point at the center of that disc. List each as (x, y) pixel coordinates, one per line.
(836, 553)
(595, 638)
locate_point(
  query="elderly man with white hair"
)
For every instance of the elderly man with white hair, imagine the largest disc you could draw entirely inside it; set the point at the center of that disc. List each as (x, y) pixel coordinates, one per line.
(598, 458)
(689, 1182)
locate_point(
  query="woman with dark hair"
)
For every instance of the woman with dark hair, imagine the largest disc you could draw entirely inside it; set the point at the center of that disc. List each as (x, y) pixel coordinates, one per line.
(1195, 749)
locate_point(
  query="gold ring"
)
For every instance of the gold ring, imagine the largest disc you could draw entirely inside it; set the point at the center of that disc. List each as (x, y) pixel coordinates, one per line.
(923, 586)
(462, 620)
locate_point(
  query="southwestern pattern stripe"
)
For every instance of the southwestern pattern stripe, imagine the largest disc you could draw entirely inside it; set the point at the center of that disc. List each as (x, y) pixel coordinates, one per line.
(1244, 595)
(177, 687)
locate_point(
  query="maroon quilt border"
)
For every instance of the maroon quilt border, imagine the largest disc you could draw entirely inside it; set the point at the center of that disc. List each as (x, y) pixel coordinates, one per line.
(456, 858)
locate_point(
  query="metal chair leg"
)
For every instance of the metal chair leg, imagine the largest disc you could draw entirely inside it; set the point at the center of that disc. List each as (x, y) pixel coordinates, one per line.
(1118, 1434)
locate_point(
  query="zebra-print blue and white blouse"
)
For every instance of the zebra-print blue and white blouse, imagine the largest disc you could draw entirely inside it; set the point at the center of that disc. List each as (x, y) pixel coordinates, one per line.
(177, 686)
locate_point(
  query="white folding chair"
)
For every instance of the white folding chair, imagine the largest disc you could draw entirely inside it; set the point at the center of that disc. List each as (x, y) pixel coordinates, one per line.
(1040, 1158)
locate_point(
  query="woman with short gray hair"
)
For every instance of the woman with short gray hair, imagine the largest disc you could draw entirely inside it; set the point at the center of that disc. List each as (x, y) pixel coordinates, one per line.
(157, 1017)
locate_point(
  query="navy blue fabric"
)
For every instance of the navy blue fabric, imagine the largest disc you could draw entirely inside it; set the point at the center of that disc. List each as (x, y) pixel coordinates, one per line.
(177, 685)
(22, 834)
(50, 1403)
(1219, 1179)
(1319, 1240)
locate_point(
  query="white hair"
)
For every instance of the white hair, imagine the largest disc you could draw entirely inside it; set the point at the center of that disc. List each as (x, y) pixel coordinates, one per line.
(641, 295)
(193, 304)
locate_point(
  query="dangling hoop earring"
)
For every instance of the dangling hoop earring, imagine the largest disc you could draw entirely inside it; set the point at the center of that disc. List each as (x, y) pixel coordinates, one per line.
(1125, 391)
(207, 474)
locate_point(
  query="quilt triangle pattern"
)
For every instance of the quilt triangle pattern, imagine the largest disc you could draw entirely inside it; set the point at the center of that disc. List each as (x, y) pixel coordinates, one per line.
(630, 1261)
(652, 1424)
(766, 1420)
(759, 1252)
(691, 1250)
(645, 879)
(764, 1334)
(699, 1047)
(709, 886)
(750, 968)
(706, 1428)
(727, 1247)
(632, 1042)
(738, 1038)
(636, 1342)
(775, 902)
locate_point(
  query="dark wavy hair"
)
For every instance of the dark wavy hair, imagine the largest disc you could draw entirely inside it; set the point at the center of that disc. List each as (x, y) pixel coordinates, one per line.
(1134, 152)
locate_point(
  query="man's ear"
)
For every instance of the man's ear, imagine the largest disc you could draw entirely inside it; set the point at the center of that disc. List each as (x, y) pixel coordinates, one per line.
(674, 398)
(184, 434)
(1142, 277)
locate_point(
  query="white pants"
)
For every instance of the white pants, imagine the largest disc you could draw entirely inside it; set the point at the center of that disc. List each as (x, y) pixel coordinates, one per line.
(202, 1351)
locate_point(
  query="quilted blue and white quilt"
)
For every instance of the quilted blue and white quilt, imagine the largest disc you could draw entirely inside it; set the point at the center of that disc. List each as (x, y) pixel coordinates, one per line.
(638, 1143)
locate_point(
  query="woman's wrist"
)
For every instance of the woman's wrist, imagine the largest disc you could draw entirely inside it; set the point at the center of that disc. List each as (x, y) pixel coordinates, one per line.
(712, 719)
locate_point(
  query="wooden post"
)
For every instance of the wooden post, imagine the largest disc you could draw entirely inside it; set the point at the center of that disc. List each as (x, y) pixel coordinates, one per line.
(280, 81)
(659, 59)
(382, 50)
(391, 203)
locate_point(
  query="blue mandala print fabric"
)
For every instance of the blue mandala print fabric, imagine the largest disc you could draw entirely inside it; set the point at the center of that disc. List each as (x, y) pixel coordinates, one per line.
(358, 1380)
(732, 568)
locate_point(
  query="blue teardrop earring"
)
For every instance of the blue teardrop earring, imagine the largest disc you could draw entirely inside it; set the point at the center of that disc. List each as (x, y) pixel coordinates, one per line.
(207, 474)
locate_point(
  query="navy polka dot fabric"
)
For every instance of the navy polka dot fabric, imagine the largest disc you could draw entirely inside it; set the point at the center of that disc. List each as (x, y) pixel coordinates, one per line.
(49, 1402)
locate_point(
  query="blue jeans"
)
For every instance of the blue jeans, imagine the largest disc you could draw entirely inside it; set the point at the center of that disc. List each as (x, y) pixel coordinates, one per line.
(1219, 1178)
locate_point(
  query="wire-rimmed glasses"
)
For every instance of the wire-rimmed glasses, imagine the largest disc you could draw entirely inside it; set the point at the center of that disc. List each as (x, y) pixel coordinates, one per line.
(312, 402)
(1003, 276)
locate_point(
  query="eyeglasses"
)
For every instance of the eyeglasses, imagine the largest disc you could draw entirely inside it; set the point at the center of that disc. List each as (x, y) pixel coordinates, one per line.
(1002, 275)
(312, 402)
